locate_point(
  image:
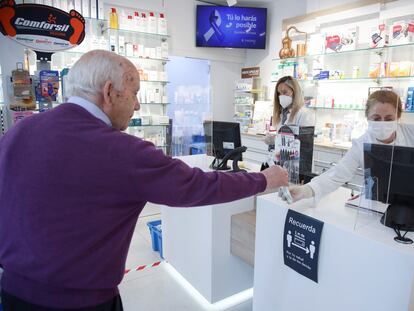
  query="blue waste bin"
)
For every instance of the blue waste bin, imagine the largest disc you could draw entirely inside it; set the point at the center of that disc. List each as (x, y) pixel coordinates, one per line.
(156, 236)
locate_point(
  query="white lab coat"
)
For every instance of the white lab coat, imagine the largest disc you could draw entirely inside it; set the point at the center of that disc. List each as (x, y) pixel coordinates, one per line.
(304, 117)
(347, 168)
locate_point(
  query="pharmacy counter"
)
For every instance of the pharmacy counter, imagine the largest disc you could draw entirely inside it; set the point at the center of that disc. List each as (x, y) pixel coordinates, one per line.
(361, 267)
(196, 242)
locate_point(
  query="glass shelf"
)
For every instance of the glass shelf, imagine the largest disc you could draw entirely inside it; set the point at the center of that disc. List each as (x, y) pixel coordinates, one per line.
(154, 81)
(363, 79)
(147, 34)
(154, 103)
(253, 91)
(147, 58)
(347, 109)
(337, 108)
(150, 125)
(132, 57)
(90, 19)
(361, 50)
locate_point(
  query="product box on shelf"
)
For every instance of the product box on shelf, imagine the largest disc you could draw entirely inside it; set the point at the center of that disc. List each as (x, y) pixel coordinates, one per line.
(379, 36)
(160, 120)
(409, 104)
(164, 49)
(316, 44)
(378, 70)
(322, 75)
(402, 32)
(400, 69)
(146, 120)
(341, 41)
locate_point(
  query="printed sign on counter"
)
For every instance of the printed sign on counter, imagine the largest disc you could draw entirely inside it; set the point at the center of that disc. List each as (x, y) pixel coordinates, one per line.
(301, 242)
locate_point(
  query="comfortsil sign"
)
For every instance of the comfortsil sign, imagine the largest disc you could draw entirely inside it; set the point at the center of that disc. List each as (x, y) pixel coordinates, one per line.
(40, 27)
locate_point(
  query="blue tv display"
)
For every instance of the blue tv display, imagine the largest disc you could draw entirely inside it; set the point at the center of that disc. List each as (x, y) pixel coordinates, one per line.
(232, 27)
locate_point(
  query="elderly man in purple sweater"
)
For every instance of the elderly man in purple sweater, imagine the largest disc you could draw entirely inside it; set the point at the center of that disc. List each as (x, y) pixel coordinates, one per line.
(72, 186)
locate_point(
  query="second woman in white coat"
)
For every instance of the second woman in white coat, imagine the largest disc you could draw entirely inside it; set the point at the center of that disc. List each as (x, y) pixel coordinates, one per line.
(383, 110)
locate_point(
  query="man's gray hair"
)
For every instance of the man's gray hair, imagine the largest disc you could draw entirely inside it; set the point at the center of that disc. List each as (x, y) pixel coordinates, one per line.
(89, 74)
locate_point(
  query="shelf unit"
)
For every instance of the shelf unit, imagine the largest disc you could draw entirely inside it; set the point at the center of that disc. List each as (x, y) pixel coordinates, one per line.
(246, 92)
(149, 53)
(374, 68)
(336, 85)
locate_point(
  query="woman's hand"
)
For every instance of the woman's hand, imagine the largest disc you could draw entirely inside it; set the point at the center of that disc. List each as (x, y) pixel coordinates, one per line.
(299, 193)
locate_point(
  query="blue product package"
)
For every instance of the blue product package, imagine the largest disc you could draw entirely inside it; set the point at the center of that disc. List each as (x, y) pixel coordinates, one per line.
(47, 89)
(324, 74)
(409, 104)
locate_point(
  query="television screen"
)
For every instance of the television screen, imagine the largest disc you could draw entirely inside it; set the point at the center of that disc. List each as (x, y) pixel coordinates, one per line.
(234, 27)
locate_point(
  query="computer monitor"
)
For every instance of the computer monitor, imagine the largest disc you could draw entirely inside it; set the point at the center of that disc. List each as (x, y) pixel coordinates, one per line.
(390, 170)
(224, 141)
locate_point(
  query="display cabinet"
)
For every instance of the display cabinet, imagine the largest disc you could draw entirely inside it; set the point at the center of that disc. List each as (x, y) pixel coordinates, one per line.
(246, 93)
(149, 53)
(351, 54)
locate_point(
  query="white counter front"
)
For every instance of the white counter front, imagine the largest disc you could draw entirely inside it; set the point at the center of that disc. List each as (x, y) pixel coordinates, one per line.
(196, 242)
(361, 267)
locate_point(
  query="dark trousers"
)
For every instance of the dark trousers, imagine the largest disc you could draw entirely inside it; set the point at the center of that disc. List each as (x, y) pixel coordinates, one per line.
(12, 303)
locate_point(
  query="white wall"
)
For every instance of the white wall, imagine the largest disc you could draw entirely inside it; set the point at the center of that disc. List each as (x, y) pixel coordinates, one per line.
(223, 75)
(316, 5)
(277, 11)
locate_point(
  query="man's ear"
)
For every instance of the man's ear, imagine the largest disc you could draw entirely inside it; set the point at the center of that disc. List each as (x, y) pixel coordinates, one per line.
(107, 90)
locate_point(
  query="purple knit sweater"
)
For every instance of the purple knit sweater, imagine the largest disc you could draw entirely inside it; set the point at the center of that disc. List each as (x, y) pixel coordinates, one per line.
(71, 190)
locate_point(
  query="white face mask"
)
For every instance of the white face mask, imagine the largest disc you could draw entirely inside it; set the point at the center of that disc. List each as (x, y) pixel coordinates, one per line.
(382, 130)
(285, 101)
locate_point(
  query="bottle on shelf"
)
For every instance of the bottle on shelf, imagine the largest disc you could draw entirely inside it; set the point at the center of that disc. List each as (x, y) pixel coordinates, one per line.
(123, 20)
(130, 23)
(113, 19)
(144, 22)
(162, 24)
(152, 23)
(137, 21)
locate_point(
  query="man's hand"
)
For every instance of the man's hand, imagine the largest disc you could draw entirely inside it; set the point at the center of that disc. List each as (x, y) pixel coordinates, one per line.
(275, 177)
(299, 193)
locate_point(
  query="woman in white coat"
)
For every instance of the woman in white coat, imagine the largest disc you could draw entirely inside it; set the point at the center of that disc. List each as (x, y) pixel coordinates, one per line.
(288, 107)
(382, 108)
